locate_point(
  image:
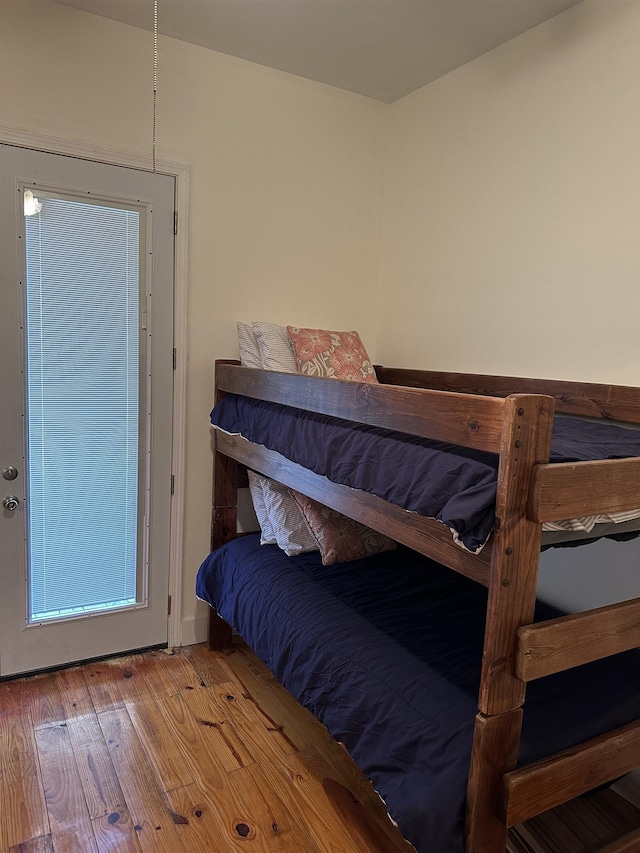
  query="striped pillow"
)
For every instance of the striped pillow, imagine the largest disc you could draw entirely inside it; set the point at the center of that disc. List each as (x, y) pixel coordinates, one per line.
(248, 346)
(287, 522)
(267, 536)
(276, 352)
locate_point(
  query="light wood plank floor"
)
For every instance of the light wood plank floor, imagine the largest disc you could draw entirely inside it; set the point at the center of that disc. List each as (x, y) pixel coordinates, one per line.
(200, 751)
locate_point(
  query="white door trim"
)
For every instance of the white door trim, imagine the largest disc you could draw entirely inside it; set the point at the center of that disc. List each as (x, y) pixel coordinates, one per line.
(181, 173)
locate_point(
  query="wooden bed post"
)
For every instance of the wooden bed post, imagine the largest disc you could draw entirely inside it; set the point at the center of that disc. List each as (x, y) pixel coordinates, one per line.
(526, 442)
(224, 518)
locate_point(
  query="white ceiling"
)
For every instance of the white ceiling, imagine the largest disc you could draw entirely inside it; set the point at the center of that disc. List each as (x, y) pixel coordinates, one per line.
(383, 49)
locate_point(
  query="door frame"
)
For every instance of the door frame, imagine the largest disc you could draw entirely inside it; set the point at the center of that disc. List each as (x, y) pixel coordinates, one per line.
(181, 172)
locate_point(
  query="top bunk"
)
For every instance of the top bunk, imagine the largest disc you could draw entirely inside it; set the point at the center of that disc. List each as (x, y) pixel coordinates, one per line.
(535, 469)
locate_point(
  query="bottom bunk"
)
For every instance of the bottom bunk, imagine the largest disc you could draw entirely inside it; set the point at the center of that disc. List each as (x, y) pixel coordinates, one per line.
(386, 652)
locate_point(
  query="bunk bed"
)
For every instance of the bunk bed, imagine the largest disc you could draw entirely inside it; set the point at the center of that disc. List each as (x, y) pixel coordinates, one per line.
(581, 719)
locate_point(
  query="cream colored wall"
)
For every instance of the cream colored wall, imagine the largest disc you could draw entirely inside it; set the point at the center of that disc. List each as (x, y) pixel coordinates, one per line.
(286, 188)
(511, 230)
(512, 198)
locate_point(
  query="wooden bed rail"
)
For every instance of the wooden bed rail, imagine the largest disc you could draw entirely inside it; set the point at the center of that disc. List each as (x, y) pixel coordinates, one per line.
(568, 641)
(614, 402)
(577, 489)
(537, 787)
(408, 528)
(457, 418)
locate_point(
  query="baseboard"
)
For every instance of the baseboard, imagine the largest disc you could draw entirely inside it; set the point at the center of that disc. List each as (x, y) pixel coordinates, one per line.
(195, 629)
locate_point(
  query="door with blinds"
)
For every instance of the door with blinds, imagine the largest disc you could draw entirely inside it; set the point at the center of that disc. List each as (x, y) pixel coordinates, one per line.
(86, 296)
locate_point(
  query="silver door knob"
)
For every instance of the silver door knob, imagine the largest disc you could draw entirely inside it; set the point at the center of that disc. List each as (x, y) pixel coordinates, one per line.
(11, 502)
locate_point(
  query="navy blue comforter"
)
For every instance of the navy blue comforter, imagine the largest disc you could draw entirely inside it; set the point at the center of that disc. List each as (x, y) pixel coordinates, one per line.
(454, 485)
(386, 652)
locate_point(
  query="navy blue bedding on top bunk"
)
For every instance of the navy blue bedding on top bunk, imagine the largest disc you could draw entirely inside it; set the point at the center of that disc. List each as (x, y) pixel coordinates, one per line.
(454, 485)
(386, 652)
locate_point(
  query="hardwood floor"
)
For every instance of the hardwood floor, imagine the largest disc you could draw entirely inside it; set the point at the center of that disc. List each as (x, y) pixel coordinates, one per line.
(200, 751)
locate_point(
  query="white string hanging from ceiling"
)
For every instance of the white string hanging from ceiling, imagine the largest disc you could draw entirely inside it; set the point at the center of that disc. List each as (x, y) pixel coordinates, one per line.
(155, 77)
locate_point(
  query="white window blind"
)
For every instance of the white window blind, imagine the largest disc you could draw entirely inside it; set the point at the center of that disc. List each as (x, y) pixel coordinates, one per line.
(83, 407)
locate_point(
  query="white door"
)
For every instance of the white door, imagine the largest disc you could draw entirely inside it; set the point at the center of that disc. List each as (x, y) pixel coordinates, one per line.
(86, 346)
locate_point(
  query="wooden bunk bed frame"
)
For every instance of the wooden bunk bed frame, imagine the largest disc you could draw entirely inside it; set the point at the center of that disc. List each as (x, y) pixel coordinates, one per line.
(512, 417)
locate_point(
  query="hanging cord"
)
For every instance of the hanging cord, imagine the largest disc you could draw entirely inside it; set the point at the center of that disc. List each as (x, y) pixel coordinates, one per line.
(155, 76)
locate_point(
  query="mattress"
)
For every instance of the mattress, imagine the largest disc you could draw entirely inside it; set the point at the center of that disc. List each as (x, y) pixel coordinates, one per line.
(454, 485)
(386, 652)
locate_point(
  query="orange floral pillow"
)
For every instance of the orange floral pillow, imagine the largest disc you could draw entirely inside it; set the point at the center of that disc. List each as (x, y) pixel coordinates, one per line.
(331, 355)
(339, 538)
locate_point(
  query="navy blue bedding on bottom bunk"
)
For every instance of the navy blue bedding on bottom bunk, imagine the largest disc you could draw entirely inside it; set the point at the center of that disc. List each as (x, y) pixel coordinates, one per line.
(386, 652)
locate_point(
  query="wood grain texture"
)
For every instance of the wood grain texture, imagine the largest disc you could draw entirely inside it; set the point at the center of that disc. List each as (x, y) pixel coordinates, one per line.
(516, 551)
(44, 844)
(148, 809)
(615, 402)
(458, 418)
(98, 779)
(197, 819)
(526, 440)
(259, 732)
(38, 693)
(577, 489)
(224, 751)
(115, 833)
(267, 776)
(166, 674)
(569, 641)
(157, 738)
(211, 669)
(22, 803)
(422, 534)
(70, 824)
(274, 699)
(547, 783)
(74, 693)
(494, 751)
(366, 827)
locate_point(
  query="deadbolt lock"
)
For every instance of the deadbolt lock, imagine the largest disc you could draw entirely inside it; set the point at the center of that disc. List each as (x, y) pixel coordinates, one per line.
(9, 473)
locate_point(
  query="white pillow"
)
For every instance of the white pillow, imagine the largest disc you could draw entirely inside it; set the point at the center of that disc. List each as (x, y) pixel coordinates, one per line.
(287, 522)
(248, 346)
(276, 352)
(267, 536)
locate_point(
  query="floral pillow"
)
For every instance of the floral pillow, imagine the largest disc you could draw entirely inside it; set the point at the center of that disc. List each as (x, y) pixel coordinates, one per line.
(331, 355)
(339, 538)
